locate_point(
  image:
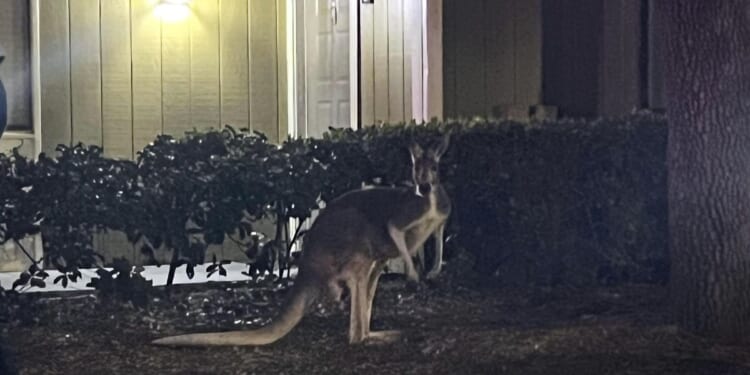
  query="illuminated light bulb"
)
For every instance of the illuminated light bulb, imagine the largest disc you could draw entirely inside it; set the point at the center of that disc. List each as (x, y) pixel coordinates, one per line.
(172, 10)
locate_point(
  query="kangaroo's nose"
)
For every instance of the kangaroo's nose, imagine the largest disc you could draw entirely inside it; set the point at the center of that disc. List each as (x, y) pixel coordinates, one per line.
(425, 189)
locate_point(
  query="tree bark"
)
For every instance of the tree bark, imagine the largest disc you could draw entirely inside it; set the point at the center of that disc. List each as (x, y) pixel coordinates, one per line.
(708, 158)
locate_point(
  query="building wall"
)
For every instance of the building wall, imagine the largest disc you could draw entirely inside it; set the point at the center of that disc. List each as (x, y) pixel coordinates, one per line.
(391, 61)
(584, 57)
(15, 69)
(114, 75)
(571, 80)
(610, 72)
(492, 55)
(622, 74)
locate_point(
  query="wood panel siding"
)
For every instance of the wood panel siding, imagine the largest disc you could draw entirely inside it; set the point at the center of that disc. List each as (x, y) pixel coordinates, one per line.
(395, 64)
(367, 64)
(117, 103)
(85, 72)
(620, 72)
(263, 68)
(656, 34)
(175, 77)
(450, 45)
(205, 109)
(391, 61)
(492, 55)
(233, 57)
(412, 64)
(470, 55)
(528, 52)
(610, 72)
(54, 53)
(571, 80)
(115, 75)
(282, 71)
(380, 60)
(146, 53)
(500, 63)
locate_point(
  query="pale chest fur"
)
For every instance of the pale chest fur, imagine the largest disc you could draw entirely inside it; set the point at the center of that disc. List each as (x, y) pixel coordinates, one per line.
(418, 232)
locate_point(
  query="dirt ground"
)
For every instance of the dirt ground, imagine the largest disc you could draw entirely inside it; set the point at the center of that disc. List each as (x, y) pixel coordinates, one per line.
(448, 329)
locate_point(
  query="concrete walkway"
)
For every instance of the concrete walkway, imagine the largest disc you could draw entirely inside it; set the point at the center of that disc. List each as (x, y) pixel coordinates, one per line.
(157, 274)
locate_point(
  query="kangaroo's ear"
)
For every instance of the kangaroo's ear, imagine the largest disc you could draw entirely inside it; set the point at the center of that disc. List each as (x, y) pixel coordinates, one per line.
(416, 151)
(440, 150)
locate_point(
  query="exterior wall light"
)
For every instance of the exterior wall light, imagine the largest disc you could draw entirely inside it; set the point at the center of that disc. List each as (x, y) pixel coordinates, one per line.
(172, 10)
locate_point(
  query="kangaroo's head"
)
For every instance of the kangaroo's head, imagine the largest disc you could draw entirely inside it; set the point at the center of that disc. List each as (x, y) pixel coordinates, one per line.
(425, 165)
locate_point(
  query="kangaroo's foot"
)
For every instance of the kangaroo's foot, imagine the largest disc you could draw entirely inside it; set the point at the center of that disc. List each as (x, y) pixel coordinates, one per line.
(412, 275)
(433, 274)
(383, 337)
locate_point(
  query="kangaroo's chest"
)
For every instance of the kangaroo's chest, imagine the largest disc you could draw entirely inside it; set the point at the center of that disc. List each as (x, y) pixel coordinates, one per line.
(433, 217)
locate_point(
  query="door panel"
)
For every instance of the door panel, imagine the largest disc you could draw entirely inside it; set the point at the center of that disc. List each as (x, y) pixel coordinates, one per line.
(326, 49)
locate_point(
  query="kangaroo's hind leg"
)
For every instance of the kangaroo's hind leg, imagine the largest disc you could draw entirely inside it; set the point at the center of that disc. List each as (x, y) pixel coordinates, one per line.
(358, 326)
(437, 263)
(372, 285)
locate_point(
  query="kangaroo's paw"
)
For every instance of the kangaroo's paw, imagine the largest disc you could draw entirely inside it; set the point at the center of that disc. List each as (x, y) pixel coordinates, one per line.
(432, 275)
(412, 275)
(383, 337)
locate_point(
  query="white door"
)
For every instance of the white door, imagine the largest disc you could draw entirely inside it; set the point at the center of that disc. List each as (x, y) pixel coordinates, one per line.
(322, 66)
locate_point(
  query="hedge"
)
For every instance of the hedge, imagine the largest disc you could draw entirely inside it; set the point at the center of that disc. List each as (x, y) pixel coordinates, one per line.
(570, 201)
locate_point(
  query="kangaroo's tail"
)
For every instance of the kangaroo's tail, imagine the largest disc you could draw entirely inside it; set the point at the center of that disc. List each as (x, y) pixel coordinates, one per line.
(301, 296)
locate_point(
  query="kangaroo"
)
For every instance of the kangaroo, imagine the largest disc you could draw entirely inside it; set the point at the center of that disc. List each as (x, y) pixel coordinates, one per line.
(348, 246)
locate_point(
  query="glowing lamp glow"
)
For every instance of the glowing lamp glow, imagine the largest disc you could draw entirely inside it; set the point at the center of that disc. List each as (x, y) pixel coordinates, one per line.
(172, 10)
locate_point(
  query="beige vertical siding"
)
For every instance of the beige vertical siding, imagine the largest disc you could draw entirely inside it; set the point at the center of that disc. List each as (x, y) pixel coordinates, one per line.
(500, 62)
(492, 55)
(391, 61)
(55, 74)
(470, 53)
(117, 104)
(263, 68)
(205, 110)
(282, 71)
(395, 37)
(380, 52)
(619, 84)
(175, 77)
(146, 46)
(115, 75)
(412, 64)
(85, 72)
(233, 57)
(367, 64)
(528, 57)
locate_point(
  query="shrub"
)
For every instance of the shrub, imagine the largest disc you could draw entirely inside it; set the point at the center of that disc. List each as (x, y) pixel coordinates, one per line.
(569, 201)
(67, 199)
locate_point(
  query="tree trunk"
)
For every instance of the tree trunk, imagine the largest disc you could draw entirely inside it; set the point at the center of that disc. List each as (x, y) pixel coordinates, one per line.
(708, 155)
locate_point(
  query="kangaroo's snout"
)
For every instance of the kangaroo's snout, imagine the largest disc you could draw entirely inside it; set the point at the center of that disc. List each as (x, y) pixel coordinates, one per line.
(425, 189)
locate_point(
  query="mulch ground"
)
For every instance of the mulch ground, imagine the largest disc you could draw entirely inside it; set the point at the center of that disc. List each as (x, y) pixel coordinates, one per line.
(448, 329)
